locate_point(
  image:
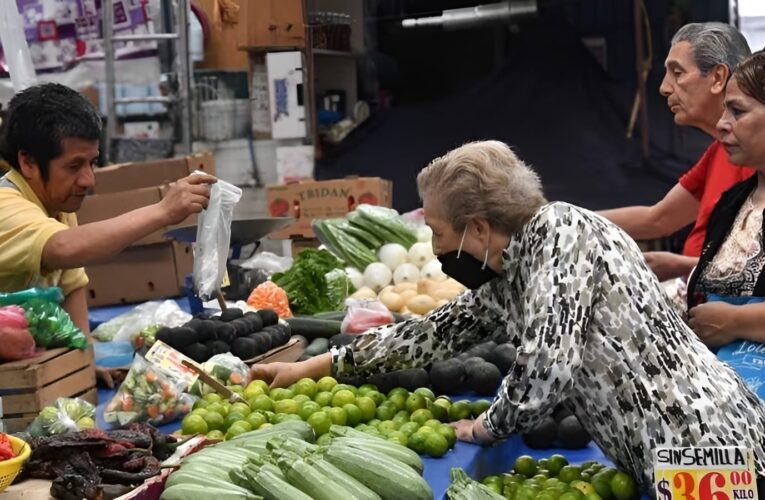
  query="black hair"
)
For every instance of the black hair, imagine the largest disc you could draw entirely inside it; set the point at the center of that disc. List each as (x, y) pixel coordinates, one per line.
(40, 117)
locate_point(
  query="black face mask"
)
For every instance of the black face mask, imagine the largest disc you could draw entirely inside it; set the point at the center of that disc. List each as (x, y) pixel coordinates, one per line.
(466, 269)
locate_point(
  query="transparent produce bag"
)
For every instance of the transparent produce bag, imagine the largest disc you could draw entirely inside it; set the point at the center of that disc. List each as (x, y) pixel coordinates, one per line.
(65, 415)
(227, 369)
(364, 314)
(214, 238)
(148, 394)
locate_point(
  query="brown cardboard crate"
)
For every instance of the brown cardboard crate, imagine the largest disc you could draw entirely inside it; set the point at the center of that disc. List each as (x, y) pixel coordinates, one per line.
(129, 176)
(140, 273)
(27, 386)
(287, 353)
(311, 200)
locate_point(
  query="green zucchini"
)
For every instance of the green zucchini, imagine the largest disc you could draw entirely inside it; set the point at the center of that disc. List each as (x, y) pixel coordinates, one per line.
(193, 492)
(316, 347)
(310, 480)
(343, 431)
(390, 479)
(391, 450)
(312, 328)
(294, 428)
(358, 490)
(296, 446)
(271, 486)
(198, 477)
(330, 315)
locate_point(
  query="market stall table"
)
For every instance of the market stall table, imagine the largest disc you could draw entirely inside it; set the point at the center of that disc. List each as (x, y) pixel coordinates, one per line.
(476, 460)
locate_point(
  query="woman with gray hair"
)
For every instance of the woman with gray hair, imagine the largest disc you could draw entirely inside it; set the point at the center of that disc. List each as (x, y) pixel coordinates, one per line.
(572, 292)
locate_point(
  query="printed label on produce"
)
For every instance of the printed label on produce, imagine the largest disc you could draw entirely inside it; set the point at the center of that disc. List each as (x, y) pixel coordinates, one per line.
(714, 473)
(171, 361)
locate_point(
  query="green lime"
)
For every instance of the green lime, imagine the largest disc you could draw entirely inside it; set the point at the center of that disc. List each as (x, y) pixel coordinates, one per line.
(387, 426)
(434, 423)
(256, 419)
(324, 439)
(326, 384)
(440, 413)
(398, 400)
(280, 394)
(570, 473)
(193, 424)
(353, 414)
(234, 431)
(623, 487)
(398, 437)
(252, 390)
(215, 435)
(199, 411)
(343, 397)
(415, 402)
(266, 425)
(401, 417)
(436, 445)
(593, 496)
(385, 412)
(237, 389)
(572, 494)
(307, 387)
(344, 387)
(421, 416)
(289, 406)
(426, 393)
(217, 408)
(323, 398)
(478, 407)
(242, 408)
(200, 403)
(213, 397)
(448, 432)
(547, 495)
(525, 465)
(366, 388)
(337, 415)
(582, 486)
(367, 407)
(261, 402)
(300, 398)
(377, 397)
(417, 441)
(409, 428)
(320, 422)
(374, 422)
(555, 463)
(215, 422)
(233, 418)
(459, 410)
(308, 408)
(262, 384)
(398, 390)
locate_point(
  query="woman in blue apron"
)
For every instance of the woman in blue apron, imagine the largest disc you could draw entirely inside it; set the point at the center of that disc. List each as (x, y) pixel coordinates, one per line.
(726, 291)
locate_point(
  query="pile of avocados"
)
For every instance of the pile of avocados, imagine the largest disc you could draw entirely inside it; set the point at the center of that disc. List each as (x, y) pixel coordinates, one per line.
(561, 430)
(243, 335)
(479, 370)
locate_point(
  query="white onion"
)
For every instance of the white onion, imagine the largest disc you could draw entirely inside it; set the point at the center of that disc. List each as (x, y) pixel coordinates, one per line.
(357, 280)
(424, 234)
(406, 273)
(432, 270)
(420, 254)
(392, 255)
(377, 276)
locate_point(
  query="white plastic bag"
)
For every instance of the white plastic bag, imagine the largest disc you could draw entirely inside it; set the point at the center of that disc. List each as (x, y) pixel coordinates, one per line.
(15, 46)
(214, 238)
(125, 326)
(267, 261)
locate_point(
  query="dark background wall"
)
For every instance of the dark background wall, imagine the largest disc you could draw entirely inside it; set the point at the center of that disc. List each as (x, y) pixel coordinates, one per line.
(533, 85)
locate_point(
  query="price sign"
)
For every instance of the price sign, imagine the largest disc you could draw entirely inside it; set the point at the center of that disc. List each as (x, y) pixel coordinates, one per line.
(171, 362)
(715, 473)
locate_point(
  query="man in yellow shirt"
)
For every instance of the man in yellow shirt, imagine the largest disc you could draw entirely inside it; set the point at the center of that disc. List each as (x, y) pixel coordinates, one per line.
(50, 140)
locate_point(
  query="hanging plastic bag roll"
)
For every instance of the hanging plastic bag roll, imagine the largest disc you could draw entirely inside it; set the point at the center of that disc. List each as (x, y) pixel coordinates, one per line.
(15, 47)
(214, 238)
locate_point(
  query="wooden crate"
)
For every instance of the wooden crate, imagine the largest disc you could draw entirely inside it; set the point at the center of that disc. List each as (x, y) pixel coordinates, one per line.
(27, 386)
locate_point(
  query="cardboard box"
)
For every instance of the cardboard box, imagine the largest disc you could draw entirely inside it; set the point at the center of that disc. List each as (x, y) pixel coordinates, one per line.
(275, 24)
(311, 200)
(127, 176)
(29, 385)
(297, 245)
(140, 273)
(122, 188)
(222, 47)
